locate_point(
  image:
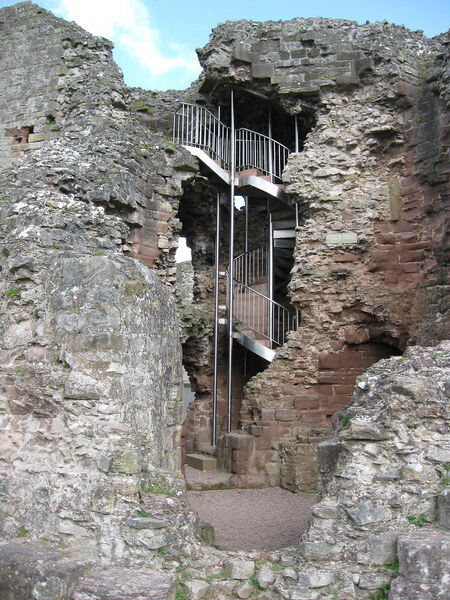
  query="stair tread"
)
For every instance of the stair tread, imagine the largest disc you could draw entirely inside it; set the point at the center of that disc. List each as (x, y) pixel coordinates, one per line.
(207, 480)
(201, 462)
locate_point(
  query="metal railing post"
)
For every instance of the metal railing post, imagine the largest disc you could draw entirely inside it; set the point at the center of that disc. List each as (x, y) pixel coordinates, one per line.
(270, 146)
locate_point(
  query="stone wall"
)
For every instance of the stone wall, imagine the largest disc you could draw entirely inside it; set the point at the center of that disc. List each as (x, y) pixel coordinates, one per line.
(372, 184)
(90, 371)
(66, 112)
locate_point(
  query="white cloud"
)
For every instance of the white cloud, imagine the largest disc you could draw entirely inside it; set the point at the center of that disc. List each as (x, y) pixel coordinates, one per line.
(128, 23)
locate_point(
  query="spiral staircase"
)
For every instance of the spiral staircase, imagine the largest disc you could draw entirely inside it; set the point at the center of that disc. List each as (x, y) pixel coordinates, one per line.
(259, 322)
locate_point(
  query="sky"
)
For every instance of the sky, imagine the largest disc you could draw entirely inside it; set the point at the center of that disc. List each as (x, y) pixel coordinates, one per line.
(155, 40)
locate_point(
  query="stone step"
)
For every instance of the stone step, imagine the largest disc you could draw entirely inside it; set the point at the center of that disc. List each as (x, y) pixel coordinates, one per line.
(207, 480)
(207, 448)
(201, 462)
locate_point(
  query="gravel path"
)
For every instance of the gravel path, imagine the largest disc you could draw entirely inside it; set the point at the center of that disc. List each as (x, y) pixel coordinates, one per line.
(267, 519)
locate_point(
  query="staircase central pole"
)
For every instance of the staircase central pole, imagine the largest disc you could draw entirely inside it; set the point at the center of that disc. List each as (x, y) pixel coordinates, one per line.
(270, 278)
(231, 264)
(216, 321)
(270, 146)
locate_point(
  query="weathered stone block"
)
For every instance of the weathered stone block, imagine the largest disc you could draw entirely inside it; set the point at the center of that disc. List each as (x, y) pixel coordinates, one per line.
(196, 589)
(242, 442)
(272, 468)
(365, 512)
(36, 137)
(201, 462)
(382, 547)
(444, 508)
(320, 550)
(127, 461)
(241, 569)
(262, 71)
(424, 562)
(265, 576)
(359, 429)
(29, 570)
(115, 583)
(285, 414)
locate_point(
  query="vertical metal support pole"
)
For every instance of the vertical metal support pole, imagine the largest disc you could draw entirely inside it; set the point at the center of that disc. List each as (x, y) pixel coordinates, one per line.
(270, 278)
(246, 241)
(216, 321)
(270, 146)
(246, 271)
(297, 220)
(297, 145)
(231, 264)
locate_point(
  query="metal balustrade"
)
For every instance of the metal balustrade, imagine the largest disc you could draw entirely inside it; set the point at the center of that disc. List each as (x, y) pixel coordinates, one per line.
(251, 266)
(197, 126)
(257, 151)
(254, 311)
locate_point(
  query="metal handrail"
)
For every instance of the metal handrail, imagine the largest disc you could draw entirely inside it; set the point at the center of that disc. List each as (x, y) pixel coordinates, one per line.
(257, 151)
(264, 316)
(251, 308)
(197, 126)
(251, 266)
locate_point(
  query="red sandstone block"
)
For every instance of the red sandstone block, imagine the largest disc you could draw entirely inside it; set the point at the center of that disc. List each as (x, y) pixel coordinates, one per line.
(329, 377)
(410, 189)
(336, 345)
(411, 268)
(413, 214)
(316, 417)
(162, 227)
(355, 335)
(385, 238)
(419, 245)
(256, 430)
(239, 468)
(306, 402)
(351, 359)
(412, 255)
(350, 377)
(381, 256)
(242, 442)
(329, 361)
(324, 389)
(268, 414)
(403, 226)
(383, 227)
(265, 440)
(347, 257)
(408, 237)
(408, 180)
(330, 402)
(344, 390)
(286, 414)
(390, 278)
(368, 361)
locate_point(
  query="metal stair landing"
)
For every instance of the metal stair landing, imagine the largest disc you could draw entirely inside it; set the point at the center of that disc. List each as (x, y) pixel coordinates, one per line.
(259, 159)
